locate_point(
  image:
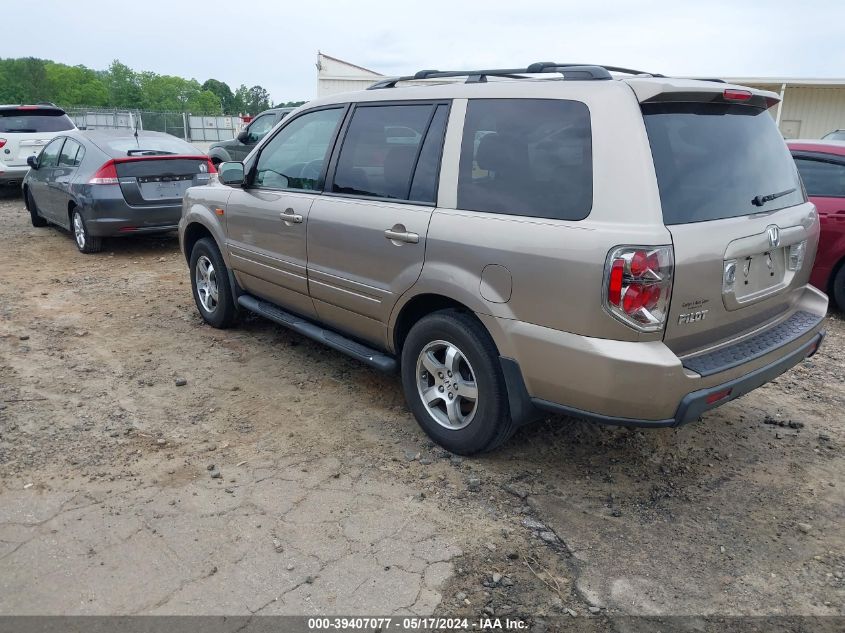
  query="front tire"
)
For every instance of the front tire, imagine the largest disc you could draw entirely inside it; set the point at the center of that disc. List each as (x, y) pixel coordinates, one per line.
(454, 385)
(85, 242)
(210, 285)
(35, 217)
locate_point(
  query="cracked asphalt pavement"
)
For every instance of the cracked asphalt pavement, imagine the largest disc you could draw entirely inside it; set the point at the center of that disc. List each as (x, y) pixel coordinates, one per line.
(150, 464)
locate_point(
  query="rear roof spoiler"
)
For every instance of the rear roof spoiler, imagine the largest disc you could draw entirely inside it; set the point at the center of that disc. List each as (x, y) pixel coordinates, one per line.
(650, 90)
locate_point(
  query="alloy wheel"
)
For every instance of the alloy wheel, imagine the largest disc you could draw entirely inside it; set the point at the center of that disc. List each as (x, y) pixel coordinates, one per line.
(446, 385)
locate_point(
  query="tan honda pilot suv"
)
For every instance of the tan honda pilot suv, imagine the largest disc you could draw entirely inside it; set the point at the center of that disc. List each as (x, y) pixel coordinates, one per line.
(587, 240)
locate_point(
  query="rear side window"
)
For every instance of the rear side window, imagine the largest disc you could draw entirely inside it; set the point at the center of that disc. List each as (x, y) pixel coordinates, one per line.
(392, 152)
(822, 178)
(717, 161)
(530, 157)
(32, 121)
(72, 154)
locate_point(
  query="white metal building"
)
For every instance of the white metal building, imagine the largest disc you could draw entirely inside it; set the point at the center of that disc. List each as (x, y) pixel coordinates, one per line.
(335, 75)
(810, 108)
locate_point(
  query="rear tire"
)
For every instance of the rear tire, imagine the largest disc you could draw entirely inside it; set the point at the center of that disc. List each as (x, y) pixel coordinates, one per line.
(839, 288)
(453, 383)
(36, 218)
(85, 242)
(210, 285)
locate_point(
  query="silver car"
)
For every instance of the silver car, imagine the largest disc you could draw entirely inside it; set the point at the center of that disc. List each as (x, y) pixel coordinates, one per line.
(604, 243)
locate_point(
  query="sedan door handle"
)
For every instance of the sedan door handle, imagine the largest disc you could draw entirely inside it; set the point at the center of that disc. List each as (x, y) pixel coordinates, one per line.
(288, 216)
(402, 236)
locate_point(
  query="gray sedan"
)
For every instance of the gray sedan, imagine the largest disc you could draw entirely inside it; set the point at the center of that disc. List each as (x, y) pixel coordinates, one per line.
(103, 183)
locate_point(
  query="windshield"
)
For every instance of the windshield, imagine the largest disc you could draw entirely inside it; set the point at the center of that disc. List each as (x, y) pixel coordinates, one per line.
(718, 161)
(838, 135)
(32, 121)
(147, 146)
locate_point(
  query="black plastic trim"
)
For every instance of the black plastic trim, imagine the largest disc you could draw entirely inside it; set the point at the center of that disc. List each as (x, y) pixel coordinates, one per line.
(522, 408)
(753, 347)
(356, 350)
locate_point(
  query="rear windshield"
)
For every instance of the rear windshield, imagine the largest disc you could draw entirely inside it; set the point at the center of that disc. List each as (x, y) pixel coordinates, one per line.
(32, 121)
(718, 161)
(146, 145)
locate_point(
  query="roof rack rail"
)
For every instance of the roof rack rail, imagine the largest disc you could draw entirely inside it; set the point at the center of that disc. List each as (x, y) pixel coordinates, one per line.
(576, 72)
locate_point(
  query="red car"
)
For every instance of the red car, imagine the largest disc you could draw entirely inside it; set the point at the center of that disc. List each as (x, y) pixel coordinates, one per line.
(822, 168)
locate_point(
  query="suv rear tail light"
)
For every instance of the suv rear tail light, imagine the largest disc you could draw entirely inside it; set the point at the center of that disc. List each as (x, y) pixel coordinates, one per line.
(106, 175)
(638, 285)
(2, 142)
(733, 94)
(796, 255)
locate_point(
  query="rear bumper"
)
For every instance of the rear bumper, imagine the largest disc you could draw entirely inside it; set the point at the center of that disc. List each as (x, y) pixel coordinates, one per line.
(645, 383)
(10, 174)
(693, 405)
(108, 214)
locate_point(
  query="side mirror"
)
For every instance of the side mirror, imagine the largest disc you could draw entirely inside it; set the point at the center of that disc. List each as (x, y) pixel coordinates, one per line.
(32, 161)
(243, 136)
(231, 173)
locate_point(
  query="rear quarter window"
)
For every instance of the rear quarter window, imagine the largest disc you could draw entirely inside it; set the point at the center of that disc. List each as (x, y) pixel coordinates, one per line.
(528, 157)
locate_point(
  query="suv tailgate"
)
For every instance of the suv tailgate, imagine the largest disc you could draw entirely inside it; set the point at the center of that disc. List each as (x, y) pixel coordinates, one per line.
(743, 233)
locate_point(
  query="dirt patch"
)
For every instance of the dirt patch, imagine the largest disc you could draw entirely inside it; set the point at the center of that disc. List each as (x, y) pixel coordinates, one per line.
(118, 406)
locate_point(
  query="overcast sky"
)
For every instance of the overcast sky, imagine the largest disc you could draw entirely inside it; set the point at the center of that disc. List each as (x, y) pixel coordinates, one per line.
(274, 43)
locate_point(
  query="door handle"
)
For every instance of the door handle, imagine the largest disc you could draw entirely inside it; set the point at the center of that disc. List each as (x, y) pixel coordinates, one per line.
(289, 217)
(401, 236)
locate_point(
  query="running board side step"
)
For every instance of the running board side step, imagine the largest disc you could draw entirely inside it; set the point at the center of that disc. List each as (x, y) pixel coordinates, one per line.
(367, 355)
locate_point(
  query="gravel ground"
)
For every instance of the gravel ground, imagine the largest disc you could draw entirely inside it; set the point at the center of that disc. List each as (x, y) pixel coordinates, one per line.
(282, 477)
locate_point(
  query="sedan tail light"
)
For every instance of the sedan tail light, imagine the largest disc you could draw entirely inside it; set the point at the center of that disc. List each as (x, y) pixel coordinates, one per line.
(106, 175)
(638, 285)
(2, 142)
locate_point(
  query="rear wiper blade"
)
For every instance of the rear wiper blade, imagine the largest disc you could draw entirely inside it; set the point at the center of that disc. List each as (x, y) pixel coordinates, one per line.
(148, 152)
(759, 201)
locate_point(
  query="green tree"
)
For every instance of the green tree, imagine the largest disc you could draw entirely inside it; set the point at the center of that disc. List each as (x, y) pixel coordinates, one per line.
(24, 80)
(76, 86)
(259, 99)
(289, 104)
(122, 85)
(224, 94)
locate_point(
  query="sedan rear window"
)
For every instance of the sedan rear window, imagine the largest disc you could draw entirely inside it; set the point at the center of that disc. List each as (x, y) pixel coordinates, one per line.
(34, 120)
(717, 161)
(146, 146)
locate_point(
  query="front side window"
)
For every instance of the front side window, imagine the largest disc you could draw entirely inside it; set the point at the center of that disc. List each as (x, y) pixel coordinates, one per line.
(72, 154)
(382, 150)
(296, 156)
(528, 157)
(50, 154)
(822, 178)
(258, 129)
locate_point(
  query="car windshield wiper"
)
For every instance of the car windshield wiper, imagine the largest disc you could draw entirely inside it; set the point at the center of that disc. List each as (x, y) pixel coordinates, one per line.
(148, 152)
(759, 201)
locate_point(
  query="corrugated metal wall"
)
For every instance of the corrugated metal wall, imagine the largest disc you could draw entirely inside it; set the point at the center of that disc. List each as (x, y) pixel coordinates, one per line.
(819, 110)
(809, 111)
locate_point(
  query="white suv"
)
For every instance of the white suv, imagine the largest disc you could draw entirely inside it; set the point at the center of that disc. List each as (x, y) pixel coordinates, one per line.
(24, 131)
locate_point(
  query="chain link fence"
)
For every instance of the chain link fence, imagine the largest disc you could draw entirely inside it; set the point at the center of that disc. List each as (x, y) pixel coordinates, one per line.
(181, 124)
